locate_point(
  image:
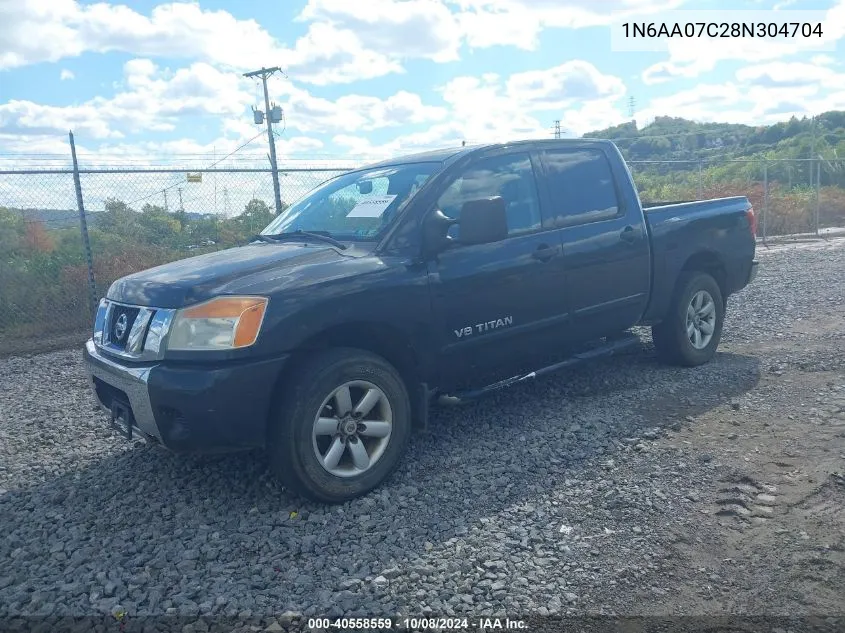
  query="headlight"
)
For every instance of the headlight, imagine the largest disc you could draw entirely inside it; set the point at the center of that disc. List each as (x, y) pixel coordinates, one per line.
(223, 323)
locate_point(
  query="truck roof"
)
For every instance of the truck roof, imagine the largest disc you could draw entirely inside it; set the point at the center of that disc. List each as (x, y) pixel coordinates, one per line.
(451, 154)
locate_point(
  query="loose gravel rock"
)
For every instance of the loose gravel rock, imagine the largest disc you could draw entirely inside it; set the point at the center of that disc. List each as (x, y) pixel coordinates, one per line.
(622, 487)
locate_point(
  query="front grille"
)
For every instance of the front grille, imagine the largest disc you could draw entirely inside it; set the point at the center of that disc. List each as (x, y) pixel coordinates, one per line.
(120, 325)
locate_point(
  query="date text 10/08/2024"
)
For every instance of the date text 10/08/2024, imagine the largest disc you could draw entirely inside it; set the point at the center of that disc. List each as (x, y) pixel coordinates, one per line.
(416, 624)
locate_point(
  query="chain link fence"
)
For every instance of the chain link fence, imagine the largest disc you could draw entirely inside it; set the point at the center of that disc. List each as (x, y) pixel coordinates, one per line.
(139, 218)
(135, 219)
(794, 198)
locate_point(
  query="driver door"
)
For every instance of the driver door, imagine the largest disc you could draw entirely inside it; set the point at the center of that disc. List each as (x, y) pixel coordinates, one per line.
(495, 304)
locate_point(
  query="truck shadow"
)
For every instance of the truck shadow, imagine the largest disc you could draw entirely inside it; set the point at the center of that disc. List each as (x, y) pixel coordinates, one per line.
(137, 508)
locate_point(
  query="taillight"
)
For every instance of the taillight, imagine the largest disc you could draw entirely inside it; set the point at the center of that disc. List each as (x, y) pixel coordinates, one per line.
(752, 221)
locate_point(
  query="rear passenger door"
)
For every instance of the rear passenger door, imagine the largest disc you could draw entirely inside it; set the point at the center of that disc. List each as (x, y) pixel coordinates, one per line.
(605, 244)
(494, 303)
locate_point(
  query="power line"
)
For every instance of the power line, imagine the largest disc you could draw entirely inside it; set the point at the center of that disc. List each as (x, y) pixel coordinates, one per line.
(181, 182)
(237, 149)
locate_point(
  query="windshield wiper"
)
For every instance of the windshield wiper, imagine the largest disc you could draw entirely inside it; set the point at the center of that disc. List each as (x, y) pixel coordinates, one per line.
(317, 236)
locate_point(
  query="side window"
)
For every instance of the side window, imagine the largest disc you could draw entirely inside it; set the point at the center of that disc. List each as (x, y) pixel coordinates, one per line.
(581, 186)
(509, 176)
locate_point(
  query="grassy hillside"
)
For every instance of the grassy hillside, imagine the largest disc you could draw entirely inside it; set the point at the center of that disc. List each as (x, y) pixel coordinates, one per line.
(669, 138)
(779, 167)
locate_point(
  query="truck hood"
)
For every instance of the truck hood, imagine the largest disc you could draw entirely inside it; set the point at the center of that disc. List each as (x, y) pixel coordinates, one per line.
(254, 269)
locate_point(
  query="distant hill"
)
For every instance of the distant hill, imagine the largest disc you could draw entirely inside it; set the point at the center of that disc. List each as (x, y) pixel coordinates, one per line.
(55, 218)
(65, 218)
(670, 138)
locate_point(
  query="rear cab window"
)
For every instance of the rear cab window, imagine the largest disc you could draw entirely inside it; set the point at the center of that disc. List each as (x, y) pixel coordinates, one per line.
(581, 186)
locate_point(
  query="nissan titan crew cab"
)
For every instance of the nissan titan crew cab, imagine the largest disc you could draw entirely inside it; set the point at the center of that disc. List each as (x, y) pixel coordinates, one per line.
(438, 275)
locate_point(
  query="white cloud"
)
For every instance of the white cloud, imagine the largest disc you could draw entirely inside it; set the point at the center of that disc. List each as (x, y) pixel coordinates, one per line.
(562, 85)
(49, 30)
(693, 57)
(342, 44)
(744, 102)
(412, 28)
(788, 74)
(42, 145)
(309, 113)
(328, 55)
(215, 149)
(155, 100)
(66, 74)
(491, 108)
(519, 22)
(440, 135)
(823, 60)
(149, 98)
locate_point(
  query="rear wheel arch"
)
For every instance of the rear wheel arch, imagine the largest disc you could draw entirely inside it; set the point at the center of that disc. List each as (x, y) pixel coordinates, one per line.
(707, 262)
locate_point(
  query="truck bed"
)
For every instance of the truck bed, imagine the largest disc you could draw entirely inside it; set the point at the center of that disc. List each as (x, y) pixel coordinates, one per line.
(708, 227)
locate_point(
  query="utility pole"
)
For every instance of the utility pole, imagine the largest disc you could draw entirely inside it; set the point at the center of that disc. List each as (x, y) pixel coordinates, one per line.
(265, 73)
(632, 107)
(214, 153)
(166, 208)
(557, 128)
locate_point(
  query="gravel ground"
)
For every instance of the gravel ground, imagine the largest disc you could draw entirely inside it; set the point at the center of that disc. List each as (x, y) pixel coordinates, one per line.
(622, 487)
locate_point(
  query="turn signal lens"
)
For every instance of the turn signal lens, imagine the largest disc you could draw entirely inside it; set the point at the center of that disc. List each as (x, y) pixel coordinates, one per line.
(222, 323)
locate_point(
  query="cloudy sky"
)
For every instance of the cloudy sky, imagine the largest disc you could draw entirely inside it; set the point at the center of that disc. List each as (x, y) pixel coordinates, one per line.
(378, 77)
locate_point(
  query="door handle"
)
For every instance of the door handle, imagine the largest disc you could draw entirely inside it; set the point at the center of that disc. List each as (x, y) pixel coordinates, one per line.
(628, 235)
(545, 252)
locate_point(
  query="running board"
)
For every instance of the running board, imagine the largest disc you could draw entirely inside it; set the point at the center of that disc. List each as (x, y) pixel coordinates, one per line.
(609, 348)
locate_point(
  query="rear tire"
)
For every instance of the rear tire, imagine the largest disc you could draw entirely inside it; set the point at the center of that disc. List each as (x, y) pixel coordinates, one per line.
(692, 328)
(331, 455)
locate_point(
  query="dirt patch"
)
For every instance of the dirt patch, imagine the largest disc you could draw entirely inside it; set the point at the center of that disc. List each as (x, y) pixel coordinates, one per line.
(773, 524)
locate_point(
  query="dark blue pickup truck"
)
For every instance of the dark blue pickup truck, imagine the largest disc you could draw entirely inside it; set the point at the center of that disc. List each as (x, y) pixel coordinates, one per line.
(438, 275)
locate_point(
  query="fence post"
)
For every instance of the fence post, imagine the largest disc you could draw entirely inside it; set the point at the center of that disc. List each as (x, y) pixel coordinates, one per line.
(818, 194)
(765, 200)
(83, 227)
(700, 185)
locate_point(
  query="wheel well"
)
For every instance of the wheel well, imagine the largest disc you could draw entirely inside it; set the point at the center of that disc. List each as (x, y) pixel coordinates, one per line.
(382, 339)
(710, 263)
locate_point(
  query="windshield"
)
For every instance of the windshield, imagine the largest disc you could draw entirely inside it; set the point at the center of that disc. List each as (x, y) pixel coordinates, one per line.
(357, 205)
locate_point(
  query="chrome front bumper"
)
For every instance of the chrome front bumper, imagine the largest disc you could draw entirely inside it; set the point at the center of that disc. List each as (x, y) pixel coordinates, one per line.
(123, 383)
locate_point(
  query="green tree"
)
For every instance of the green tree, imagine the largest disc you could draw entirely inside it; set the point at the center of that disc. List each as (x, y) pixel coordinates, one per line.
(12, 232)
(255, 217)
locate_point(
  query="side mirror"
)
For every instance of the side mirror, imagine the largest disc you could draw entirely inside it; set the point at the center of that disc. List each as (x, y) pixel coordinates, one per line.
(436, 232)
(365, 187)
(483, 221)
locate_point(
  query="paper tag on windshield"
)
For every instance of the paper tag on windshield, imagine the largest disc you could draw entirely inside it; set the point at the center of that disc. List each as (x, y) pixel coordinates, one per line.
(371, 207)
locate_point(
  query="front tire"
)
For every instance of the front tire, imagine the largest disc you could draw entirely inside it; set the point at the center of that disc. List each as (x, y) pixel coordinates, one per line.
(692, 329)
(341, 427)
